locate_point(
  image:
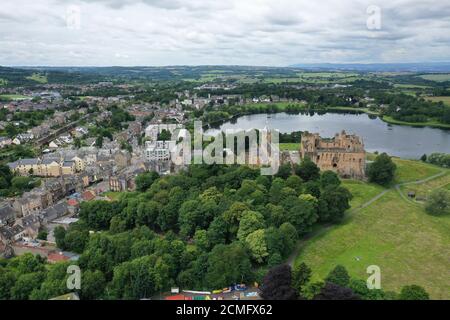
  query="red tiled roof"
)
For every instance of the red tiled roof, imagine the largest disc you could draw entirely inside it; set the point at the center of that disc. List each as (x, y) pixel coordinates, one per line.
(88, 195)
(57, 257)
(72, 202)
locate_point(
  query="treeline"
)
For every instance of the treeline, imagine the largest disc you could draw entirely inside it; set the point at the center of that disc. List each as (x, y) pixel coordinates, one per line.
(206, 228)
(439, 159)
(284, 283)
(410, 109)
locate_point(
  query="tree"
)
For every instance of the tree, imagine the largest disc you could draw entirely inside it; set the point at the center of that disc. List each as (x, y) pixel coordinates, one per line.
(25, 284)
(413, 292)
(333, 203)
(217, 231)
(99, 141)
(333, 291)
(423, 158)
(145, 180)
(60, 234)
(301, 274)
(256, 243)
(290, 237)
(42, 234)
(382, 170)
(329, 178)
(228, 264)
(93, 284)
(201, 239)
(134, 279)
(438, 202)
(359, 287)
(277, 284)
(284, 171)
(294, 182)
(302, 214)
(250, 221)
(307, 170)
(339, 276)
(7, 281)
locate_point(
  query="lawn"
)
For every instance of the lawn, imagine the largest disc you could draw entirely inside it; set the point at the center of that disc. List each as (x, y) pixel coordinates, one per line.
(409, 170)
(422, 190)
(361, 191)
(408, 245)
(289, 146)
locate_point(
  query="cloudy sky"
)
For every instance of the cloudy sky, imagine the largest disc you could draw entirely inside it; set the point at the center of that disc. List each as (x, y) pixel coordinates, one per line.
(240, 32)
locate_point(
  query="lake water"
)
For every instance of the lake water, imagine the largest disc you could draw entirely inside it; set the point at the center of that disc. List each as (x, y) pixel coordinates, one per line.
(401, 141)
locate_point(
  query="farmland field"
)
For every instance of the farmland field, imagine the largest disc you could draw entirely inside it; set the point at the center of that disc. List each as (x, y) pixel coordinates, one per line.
(38, 78)
(446, 100)
(436, 77)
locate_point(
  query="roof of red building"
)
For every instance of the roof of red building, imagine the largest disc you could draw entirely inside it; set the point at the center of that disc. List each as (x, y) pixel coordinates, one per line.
(88, 195)
(72, 202)
(57, 257)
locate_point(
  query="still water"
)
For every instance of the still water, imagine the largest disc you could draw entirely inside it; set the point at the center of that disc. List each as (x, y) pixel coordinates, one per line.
(401, 141)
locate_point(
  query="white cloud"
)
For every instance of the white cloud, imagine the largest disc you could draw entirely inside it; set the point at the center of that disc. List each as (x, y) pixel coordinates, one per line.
(257, 32)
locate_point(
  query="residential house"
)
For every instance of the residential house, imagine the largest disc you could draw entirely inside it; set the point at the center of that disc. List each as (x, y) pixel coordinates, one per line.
(68, 168)
(5, 141)
(29, 203)
(56, 211)
(7, 214)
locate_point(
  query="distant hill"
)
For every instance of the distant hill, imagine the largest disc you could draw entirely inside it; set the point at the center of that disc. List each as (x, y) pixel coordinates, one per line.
(378, 67)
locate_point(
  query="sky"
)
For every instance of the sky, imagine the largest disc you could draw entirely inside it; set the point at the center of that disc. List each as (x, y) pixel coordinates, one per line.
(222, 32)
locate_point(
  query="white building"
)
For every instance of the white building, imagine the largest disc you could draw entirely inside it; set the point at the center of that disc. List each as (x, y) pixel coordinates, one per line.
(158, 150)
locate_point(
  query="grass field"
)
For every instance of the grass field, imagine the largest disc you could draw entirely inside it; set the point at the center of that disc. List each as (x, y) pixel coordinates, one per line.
(436, 77)
(13, 96)
(289, 146)
(408, 170)
(361, 191)
(410, 246)
(40, 78)
(422, 190)
(445, 100)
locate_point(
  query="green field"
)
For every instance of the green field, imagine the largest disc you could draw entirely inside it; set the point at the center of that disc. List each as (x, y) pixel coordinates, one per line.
(13, 96)
(410, 246)
(289, 146)
(436, 77)
(40, 78)
(361, 191)
(408, 170)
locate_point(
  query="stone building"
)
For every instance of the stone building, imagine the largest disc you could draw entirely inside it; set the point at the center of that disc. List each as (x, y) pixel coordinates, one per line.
(343, 154)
